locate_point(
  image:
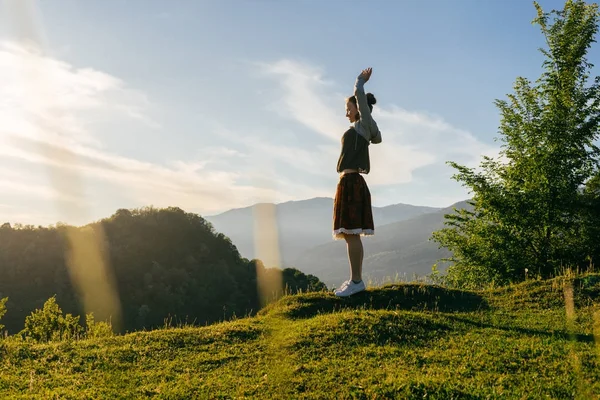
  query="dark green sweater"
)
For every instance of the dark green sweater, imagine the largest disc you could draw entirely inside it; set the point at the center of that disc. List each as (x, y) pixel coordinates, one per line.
(355, 153)
(356, 140)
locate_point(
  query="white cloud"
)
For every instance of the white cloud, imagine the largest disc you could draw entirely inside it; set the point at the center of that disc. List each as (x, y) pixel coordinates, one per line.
(8, 186)
(48, 109)
(48, 115)
(304, 97)
(25, 217)
(411, 140)
(45, 97)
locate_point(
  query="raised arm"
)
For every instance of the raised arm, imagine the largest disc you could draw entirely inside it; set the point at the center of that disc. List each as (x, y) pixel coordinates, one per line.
(361, 97)
(366, 120)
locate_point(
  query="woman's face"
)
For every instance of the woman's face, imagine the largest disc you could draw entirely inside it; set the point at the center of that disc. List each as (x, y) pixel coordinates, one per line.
(351, 111)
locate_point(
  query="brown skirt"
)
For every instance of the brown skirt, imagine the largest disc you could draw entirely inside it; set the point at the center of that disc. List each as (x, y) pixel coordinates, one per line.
(352, 212)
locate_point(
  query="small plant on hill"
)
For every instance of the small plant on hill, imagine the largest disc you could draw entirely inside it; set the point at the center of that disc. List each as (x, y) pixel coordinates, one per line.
(49, 324)
(97, 329)
(2, 309)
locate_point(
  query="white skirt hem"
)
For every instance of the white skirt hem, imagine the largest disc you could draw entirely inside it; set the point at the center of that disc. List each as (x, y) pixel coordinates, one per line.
(339, 233)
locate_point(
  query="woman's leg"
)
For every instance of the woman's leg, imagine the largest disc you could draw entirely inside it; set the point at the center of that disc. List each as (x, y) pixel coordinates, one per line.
(355, 255)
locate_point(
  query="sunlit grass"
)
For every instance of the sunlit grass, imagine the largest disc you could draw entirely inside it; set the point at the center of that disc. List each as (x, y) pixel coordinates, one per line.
(398, 341)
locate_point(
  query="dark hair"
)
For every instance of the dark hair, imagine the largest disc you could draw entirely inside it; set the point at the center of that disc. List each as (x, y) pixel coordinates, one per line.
(371, 100)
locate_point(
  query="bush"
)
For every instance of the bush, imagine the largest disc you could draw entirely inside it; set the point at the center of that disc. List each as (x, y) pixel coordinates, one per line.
(95, 329)
(49, 324)
(2, 310)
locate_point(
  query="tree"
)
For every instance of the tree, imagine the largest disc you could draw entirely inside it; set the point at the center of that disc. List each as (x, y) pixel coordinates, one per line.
(533, 206)
(591, 216)
(2, 309)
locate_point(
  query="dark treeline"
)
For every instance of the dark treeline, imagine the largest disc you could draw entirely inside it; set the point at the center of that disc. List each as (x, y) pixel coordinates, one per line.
(167, 265)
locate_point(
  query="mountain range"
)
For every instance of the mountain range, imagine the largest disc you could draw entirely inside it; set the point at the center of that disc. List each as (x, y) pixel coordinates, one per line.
(400, 247)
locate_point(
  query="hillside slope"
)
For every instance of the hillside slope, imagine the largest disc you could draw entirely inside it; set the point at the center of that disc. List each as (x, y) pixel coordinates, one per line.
(404, 341)
(163, 263)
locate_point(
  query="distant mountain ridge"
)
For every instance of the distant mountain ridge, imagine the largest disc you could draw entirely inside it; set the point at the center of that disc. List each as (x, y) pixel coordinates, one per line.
(399, 249)
(302, 225)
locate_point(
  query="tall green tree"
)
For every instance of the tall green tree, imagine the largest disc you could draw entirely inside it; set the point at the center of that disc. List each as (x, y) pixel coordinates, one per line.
(534, 207)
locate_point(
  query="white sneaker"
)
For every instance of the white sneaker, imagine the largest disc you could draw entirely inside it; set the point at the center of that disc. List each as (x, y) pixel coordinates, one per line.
(343, 286)
(350, 289)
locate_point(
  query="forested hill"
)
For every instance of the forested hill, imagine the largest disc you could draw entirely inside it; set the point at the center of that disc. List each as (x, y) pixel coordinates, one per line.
(166, 263)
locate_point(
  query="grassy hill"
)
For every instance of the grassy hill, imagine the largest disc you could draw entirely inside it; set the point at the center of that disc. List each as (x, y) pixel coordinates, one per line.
(398, 341)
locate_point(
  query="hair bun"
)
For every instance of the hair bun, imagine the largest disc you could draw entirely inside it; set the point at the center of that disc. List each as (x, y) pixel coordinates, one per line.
(371, 99)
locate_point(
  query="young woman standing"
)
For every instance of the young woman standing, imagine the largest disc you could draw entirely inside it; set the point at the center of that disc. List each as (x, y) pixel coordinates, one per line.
(352, 216)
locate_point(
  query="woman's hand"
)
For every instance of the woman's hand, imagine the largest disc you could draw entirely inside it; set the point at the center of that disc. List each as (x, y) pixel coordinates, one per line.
(366, 73)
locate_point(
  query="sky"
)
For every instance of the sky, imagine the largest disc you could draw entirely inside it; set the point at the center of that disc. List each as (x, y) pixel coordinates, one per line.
(213, 105)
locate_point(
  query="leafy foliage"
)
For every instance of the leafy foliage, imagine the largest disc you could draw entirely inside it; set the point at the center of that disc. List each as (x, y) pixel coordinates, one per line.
(536, 208)
(97, 329)
(514, 342)
(2, 310)
(49, 323)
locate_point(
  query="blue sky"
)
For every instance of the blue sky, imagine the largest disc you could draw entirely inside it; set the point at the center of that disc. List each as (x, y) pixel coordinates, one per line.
(212, 105)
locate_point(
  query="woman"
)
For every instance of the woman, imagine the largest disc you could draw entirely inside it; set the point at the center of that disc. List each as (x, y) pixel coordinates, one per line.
(352, 215)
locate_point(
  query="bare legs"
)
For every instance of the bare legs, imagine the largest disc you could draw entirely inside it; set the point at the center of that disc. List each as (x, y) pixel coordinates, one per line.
(355, 255)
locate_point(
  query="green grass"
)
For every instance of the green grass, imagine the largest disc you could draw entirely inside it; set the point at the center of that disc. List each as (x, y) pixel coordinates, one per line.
(399, 341)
